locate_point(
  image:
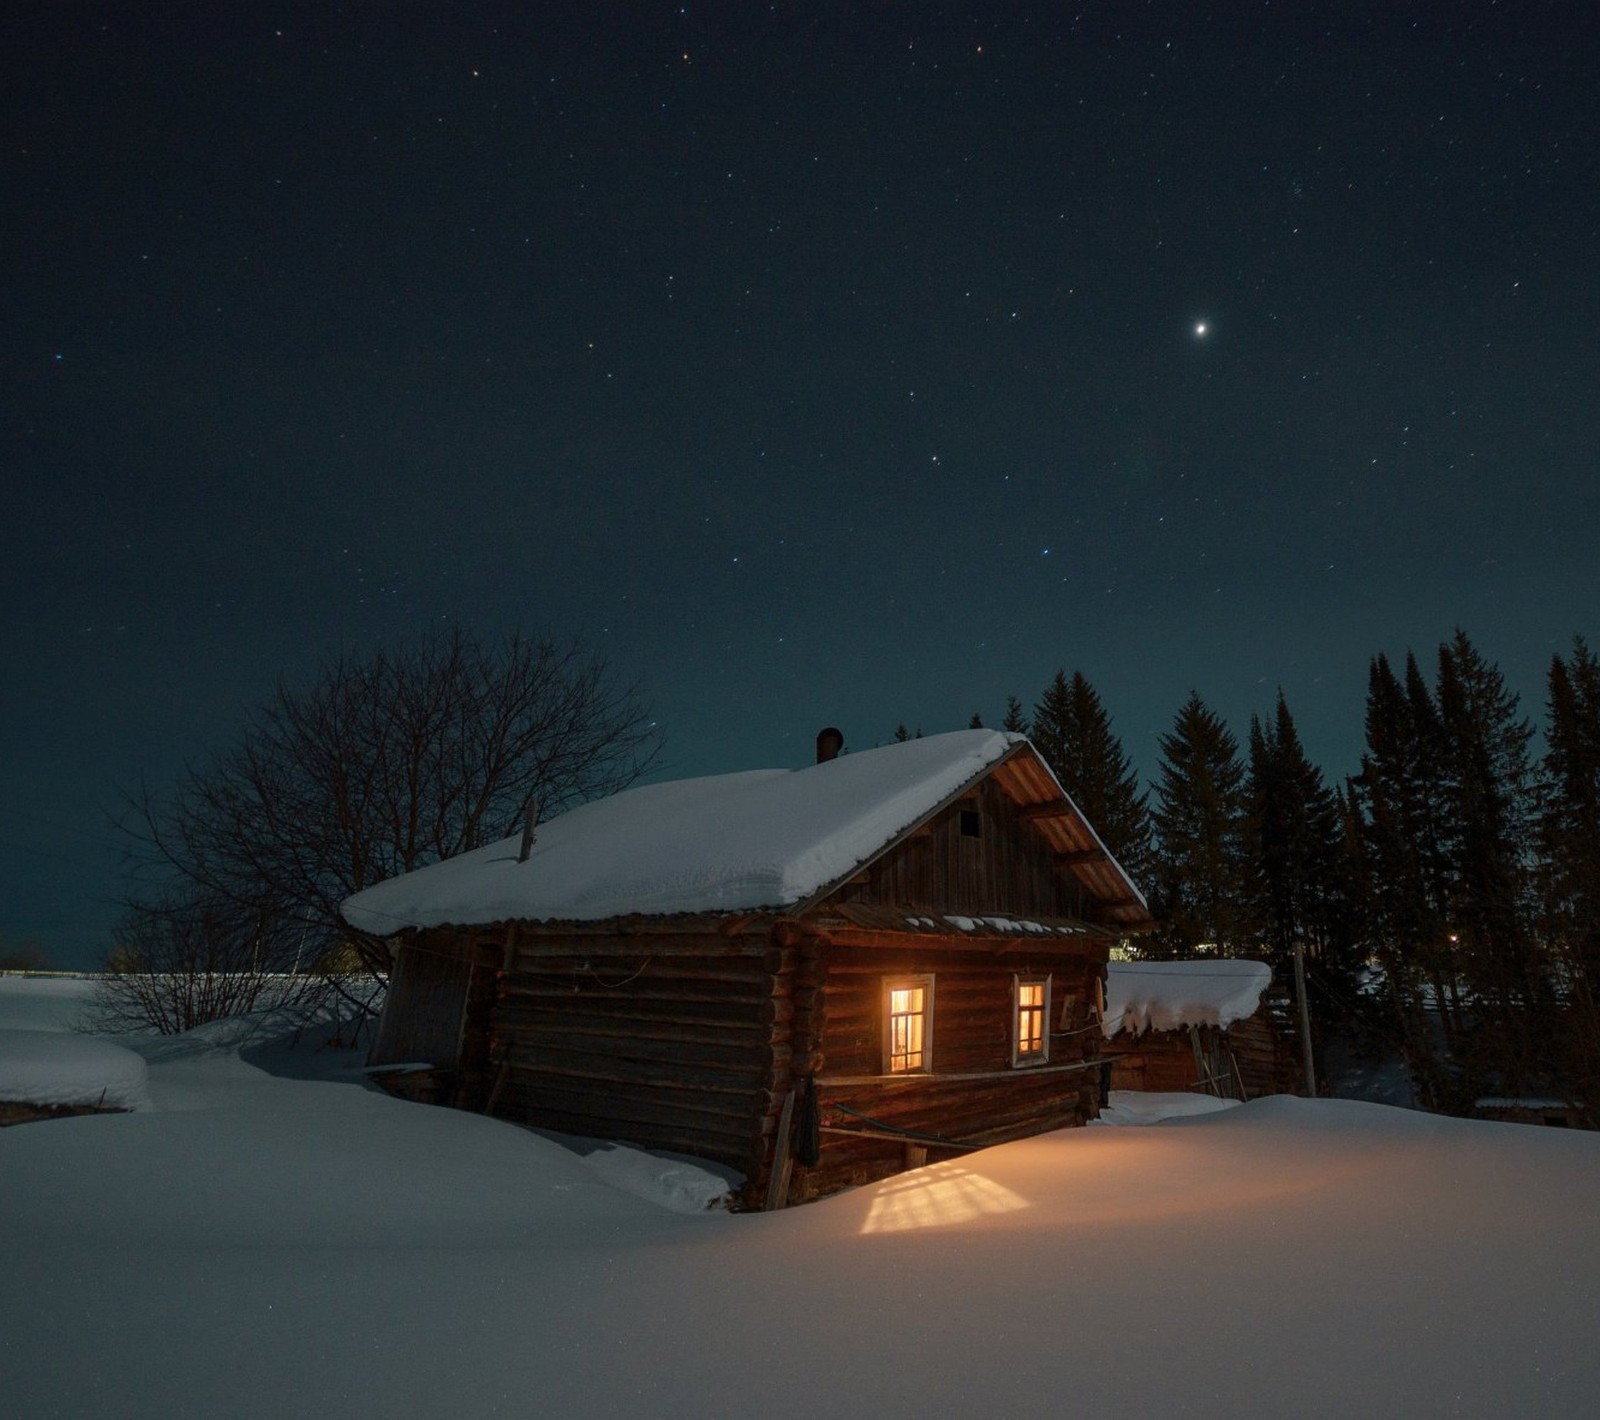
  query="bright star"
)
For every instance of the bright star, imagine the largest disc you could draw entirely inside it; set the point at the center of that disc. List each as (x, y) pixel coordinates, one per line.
(1200, 329)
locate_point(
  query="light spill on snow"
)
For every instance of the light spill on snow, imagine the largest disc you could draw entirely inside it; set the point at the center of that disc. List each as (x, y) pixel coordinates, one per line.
(296, 1246)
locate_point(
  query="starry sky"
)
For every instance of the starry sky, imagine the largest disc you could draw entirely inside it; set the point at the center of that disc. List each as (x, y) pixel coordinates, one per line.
(814, 363)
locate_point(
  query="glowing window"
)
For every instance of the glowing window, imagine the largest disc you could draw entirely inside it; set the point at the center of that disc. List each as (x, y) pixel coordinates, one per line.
(1030, 996)
(908, 1018)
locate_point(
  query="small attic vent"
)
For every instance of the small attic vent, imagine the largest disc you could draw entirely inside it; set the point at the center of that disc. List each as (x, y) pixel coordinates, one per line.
(971, 823)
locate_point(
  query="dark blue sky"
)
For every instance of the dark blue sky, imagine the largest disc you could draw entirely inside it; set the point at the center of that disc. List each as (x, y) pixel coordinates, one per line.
(818, 364)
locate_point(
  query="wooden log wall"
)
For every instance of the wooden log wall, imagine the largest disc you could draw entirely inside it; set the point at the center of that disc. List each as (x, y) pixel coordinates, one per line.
(1263, 1056)
(1162, 1061)
(971, 1036)
(1008, 866)
(671, 1041)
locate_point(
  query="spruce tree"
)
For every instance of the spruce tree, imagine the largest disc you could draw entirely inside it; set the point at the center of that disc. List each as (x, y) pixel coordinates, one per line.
(1405, 891)
(1488, 835)
(1073, 734)
(1015, 722)
(1295, 840)
(1296, 835)
(1569, 841)
(1201, 869)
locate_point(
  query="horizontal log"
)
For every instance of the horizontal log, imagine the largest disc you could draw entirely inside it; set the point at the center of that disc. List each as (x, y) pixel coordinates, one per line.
(547, 1025)
(764, 1017)
(705, 926)
(958, 1118)
(645, 1001)
(641, 1103)
(742, 1058)
(1065, 955)
(711, 945)
(642, 990)
(735, 1149)
(655, 1074)
(617, 972)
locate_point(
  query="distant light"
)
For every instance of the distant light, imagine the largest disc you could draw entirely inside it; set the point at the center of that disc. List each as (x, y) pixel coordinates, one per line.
(1200, 329)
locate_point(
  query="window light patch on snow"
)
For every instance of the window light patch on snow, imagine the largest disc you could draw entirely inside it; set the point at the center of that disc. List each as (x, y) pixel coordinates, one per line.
(1163, 995)
(764, 838)
(939, 1196)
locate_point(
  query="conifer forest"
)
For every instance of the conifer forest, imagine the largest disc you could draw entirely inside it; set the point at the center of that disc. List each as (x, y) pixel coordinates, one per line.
(1444, 899)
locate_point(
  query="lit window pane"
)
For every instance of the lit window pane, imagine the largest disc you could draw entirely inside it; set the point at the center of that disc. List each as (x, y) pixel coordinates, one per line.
(907, 1028)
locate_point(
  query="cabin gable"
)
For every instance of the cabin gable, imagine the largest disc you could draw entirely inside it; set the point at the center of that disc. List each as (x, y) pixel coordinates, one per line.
(980, 853)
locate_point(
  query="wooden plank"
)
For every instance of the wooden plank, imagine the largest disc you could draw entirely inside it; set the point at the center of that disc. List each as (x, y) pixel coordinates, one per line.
(1049, 808)
(679, 1079)
(782, 1159)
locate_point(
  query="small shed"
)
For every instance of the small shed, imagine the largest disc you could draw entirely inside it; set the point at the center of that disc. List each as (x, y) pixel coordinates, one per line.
(1550, 1111)
(1200, 1025)
(814, 976)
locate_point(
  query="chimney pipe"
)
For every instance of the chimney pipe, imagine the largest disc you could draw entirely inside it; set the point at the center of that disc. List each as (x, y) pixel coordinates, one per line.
(829, 742)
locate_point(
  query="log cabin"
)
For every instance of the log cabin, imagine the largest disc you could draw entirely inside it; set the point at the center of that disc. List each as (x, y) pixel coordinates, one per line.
(1204, 1026)
(817, 977)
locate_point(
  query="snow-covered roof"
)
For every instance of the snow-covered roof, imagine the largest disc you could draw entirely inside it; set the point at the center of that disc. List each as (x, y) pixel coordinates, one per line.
(761, 839)
(1163, 995)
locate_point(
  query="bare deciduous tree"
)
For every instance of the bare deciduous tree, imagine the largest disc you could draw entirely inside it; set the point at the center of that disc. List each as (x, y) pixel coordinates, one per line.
(179, 962)
(385, 764)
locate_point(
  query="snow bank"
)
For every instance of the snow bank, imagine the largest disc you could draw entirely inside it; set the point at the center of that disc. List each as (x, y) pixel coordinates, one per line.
(764, 838)
(1151, 1107)
(260, 1246)
(679, 1185)
(1163, 995)
(55, 1068)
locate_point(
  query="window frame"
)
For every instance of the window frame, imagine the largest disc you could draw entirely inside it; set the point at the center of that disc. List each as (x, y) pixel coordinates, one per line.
(909, 981)
(1041, 1056)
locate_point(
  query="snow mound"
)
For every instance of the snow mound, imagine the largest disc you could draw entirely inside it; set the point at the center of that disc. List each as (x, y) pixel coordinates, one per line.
(1163, 995)
(55, 1068)
(1139, 1107)
(678, 1185)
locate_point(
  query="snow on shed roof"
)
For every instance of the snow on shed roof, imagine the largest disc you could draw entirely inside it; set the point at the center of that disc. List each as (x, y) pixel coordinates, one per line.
(763, 838)
(1163, 995)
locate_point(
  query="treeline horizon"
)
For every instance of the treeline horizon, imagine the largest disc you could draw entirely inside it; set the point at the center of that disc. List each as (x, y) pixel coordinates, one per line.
(1445, 896)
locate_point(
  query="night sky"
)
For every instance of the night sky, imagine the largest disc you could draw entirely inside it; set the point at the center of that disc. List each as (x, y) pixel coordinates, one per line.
(816, 364)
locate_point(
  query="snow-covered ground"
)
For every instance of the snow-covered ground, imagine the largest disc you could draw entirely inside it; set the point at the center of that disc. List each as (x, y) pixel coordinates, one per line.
(273, 1238)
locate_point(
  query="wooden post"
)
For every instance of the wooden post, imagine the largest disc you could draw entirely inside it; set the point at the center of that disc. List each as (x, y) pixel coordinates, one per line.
(1305, 1016)
(782, 1159)
(528, 830)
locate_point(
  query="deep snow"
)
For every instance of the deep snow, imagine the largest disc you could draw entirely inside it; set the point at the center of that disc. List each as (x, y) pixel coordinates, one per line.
(265, 1242)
